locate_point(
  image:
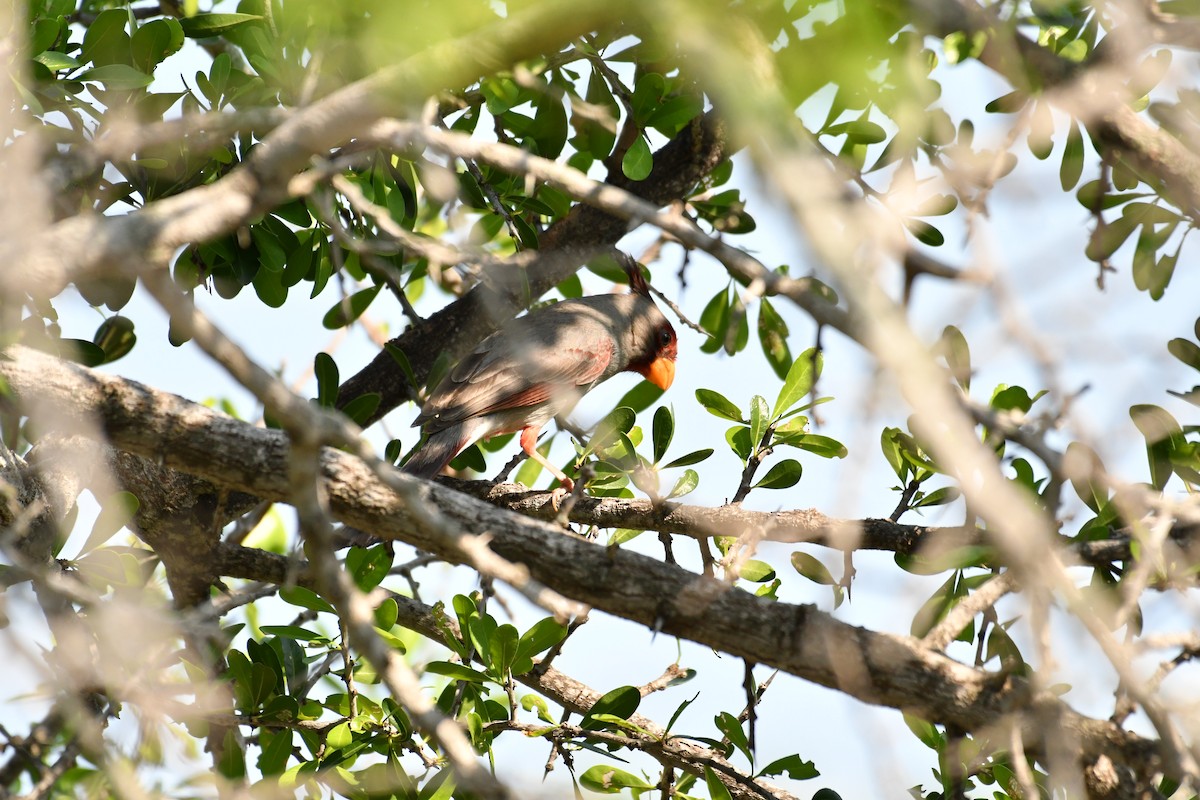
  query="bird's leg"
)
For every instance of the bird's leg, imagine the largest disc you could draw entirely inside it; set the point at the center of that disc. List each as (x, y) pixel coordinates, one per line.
(529, 445)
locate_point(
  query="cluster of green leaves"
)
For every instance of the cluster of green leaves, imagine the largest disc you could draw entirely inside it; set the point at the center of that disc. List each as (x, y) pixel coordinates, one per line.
(969, 763)
(613, 711)
(1070, 30)
(273, 688)
(617, 462)
(503, 651)
(763, 428)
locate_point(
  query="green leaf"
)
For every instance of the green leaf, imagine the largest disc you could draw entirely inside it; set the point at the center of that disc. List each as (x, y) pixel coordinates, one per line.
(1083, 466)
(953, 347)
(756, 571)
(153, 41)
(641, 396)
(55, 61)
(620, 702)
(714, 319)
(686, 484)
(925, 233)
(716, 404)
(1009, 103)
(716, 789)
(638, 160)
(502, 649)
(305, 598)
(608, 432)
(117, 76)
(694, 457)
(350, 308)
(793, 766)
(663, 431)
(732, 729)
(456, 671)
(1186, 351)
(368, 566)
(105, 41)
(783, 475)
(799, 381)
(115, 337)
(362, 407)
(938, 497)
(819, 445)
(812, 568)
(544, 634)
(116, 511)
(1072, 164)
(1162, 433)
(772, 335)
(738, 438)
(758, 419)
(203, 26)
(276, 750)
(326, 371)
(610, 780)
(402, 361)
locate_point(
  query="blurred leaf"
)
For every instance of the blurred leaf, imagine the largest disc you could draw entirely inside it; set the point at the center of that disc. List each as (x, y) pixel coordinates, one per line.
(1072, 163)
(350, 308)
(953, 347)
(1009, 103)
(1186, 351)
(115, 337)
(116, 511)
(686, 484)
(203, 26)
(811, 568)
(362, 407)
(756, 571)
(1085, 469)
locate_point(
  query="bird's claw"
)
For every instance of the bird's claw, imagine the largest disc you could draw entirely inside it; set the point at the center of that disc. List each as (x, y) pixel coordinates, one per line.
(557, 495)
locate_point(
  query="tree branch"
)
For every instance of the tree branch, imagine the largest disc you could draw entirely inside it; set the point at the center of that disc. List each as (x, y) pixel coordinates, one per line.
(880, 669)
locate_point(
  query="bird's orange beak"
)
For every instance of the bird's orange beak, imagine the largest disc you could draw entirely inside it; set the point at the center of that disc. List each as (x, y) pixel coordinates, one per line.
(661, 372)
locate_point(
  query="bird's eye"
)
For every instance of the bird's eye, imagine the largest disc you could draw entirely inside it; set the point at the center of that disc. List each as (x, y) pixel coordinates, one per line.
(664, 337)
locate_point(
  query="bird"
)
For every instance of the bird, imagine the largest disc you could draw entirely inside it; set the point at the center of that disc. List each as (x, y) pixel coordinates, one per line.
(536, 367)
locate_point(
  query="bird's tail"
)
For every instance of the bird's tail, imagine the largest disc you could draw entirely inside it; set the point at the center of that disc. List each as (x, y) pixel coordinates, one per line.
(435, 452)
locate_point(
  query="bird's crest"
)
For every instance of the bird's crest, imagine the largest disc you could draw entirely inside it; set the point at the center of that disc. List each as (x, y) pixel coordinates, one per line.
(637, 281)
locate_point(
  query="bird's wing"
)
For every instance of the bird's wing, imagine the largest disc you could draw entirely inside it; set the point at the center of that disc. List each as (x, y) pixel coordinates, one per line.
(517, 370)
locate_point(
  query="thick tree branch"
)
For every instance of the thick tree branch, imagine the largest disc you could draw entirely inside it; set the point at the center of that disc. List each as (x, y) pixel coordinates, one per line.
(876, 668)
(586, 231)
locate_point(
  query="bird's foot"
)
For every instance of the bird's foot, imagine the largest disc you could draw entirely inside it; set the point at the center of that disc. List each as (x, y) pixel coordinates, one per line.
(557, 495)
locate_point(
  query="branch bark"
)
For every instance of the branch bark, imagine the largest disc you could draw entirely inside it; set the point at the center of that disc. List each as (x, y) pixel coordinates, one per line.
(876, 668)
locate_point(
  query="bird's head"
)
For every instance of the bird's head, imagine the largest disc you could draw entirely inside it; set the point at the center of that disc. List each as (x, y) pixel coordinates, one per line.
(657, 364)
(652, 345)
